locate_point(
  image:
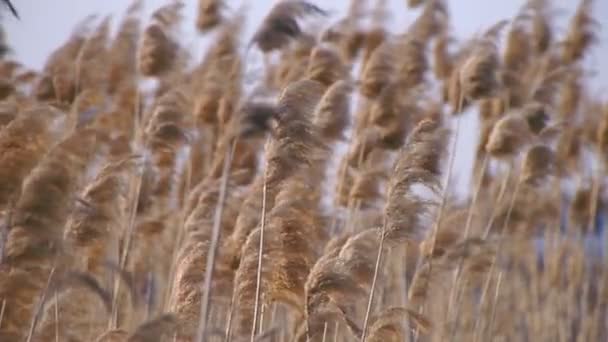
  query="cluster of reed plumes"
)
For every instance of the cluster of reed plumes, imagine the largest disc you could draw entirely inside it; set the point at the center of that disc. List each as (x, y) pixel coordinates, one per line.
(311, 198)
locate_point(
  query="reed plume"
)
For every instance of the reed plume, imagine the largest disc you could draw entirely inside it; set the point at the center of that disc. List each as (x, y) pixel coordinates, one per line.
(23, 142)
(158, 49)
(123, 50)
(325, 66)
(332, 116)
(478, 75)
(34, 242)
(580, 35)
(209, 14)
(231, 197)
(292, 147)
(280, 25)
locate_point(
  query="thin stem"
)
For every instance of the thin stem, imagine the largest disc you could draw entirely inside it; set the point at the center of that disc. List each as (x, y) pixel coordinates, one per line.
(451, 309)
(493, 315)
(371, 293)
(228, 331)
(262, 316)
(40, 306)
(444, 195)
(470, 212)
(215, 237)
(501, 237)
(324, 332)
(56, 318)
(135, 181)
(484, 294)
(501, 195)
(595, 191)
(180, 233)
(446, 187)
(336, 331)
(2, 311)
(258, 285)
(124, 256)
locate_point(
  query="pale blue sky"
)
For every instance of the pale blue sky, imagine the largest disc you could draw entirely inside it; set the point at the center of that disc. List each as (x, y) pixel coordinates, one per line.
(45, 24)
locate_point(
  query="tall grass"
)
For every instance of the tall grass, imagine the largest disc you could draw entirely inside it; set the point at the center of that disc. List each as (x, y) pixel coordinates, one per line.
(313, 198)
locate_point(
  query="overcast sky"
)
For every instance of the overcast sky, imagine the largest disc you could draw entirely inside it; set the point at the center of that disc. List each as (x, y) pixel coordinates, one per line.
(45, 24)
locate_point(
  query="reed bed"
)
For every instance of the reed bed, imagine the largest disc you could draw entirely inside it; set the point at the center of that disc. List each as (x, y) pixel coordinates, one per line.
(314, 198)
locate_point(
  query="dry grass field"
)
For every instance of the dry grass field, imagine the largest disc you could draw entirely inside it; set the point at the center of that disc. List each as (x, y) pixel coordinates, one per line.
(311, 197)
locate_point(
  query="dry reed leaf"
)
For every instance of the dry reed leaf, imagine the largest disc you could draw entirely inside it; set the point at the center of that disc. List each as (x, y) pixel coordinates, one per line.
(11, 7)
